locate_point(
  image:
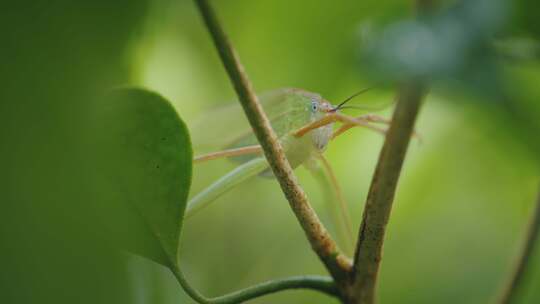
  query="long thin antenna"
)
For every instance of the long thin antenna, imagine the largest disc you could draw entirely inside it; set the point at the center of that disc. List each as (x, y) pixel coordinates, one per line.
(351, 97)
(367, 108)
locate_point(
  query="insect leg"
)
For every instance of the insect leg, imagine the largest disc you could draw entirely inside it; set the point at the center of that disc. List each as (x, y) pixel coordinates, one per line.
(343, 206)
(347, 124)
(225, 183)
(350, 122)
(374, 118)
(327, 119)
(255, 149)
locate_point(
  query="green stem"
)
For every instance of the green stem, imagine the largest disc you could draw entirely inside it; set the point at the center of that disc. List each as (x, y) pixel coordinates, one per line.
(512, 287)
(322, 243)
(319, 283)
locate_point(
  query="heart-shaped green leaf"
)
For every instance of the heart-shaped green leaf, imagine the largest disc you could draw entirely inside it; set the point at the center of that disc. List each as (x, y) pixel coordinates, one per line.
(145, 164)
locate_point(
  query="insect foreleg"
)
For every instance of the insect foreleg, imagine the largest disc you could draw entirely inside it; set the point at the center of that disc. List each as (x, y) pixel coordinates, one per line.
(255, 149)
(327, 119)
(374, 118)
(367, 118)
(356, 122)
(348, 122)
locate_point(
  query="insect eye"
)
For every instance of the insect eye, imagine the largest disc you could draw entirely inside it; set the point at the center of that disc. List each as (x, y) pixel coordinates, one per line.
(314, 106)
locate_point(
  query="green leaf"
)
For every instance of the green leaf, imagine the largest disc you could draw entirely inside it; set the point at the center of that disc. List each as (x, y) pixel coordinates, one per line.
(145, 160)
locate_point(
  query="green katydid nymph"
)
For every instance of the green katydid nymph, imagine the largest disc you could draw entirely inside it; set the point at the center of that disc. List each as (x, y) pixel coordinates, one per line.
(304, 123)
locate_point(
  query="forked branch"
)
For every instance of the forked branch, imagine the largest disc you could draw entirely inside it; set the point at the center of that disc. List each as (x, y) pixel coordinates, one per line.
(337, 264)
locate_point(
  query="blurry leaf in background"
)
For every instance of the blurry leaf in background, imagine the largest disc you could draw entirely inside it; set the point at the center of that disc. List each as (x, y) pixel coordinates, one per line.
(525, 18)
(443, 44)
(456, 49)
(518, 49)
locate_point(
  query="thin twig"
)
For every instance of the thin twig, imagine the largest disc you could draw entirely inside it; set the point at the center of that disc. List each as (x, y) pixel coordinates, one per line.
(337, 264)
(381, 194)
(318, 283)
(512, 287)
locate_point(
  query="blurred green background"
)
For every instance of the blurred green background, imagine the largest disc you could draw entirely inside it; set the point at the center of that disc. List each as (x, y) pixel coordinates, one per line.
(464, 197)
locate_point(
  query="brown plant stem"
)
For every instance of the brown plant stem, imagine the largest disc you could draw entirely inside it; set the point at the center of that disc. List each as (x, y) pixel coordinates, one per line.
(321, 242)
(381, 194)
(515, 281)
